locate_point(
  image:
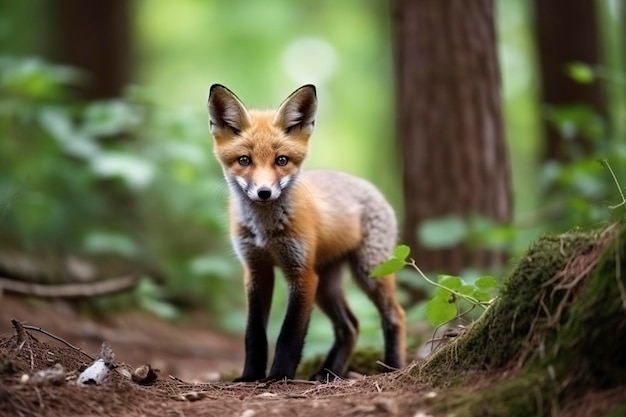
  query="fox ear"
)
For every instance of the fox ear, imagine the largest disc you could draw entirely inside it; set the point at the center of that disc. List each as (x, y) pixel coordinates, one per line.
(227, 114)
(297, 112)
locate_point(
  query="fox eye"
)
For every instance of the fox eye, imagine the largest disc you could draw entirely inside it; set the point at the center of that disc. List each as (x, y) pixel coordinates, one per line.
(281, 161)
(244, 161)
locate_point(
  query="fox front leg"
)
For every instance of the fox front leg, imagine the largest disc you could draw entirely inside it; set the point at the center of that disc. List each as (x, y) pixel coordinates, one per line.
(293, 331)
(259, 280)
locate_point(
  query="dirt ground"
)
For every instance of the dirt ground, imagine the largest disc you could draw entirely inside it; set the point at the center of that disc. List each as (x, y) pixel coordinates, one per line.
(189, 349)
(187, 354)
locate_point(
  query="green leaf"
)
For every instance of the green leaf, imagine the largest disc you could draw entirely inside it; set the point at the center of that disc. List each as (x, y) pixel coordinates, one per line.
(450, 281)
(439, 311)
(159, 308)
(482, 295)
(149, 297)
(444, 232)
(106, 118)
(442, 293)
(388, 267)
(581, 72)
(401, 252)
(466, 289)
(136, 171)
(107, 242)
(486, 282)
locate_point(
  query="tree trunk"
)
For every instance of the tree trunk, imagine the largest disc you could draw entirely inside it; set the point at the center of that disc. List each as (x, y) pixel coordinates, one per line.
(450, 124)
(96, 37)
(566, 31)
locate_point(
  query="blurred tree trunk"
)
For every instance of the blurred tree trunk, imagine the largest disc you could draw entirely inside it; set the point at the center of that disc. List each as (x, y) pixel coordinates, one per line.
(566, 31)
(450, 123)
(96, 37)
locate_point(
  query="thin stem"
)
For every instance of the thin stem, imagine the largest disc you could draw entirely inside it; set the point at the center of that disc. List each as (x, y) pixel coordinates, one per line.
(621, 193)
(467, 298)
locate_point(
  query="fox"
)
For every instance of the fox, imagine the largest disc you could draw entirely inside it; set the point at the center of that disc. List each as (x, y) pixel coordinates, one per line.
(308, 223)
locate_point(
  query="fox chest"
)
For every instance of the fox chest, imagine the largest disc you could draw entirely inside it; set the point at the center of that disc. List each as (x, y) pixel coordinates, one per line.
(269, 239)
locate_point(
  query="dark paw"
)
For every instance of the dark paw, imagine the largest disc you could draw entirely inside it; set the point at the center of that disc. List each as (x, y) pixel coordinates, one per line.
(323, 376)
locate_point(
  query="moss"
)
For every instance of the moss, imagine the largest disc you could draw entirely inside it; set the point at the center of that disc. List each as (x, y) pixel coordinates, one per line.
(499, 336)
(594, 336)
(619, 411)
(364, 361)
(558, 328)
(515, 397)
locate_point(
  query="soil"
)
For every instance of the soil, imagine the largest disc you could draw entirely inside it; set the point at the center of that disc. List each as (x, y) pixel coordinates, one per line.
(551, 344)
(186, 354)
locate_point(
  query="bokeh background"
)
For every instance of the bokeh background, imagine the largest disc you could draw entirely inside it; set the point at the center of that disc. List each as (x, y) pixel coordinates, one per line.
(106, 166)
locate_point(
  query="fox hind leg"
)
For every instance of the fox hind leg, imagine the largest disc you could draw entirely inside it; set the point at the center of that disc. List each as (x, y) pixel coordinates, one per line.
(331, 300)
(382, 293)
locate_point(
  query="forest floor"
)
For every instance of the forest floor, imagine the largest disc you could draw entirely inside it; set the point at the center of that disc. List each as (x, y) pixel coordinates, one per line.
(552, 344)
(187, 355)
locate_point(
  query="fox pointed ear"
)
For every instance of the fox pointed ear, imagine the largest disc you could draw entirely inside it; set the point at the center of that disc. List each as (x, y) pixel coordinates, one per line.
(227, 114)
(297, 112)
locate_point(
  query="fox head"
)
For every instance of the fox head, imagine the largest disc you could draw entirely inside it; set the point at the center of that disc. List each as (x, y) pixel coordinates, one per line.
(261, 151)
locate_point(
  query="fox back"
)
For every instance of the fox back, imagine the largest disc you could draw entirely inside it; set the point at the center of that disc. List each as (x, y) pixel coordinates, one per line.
(309, 224)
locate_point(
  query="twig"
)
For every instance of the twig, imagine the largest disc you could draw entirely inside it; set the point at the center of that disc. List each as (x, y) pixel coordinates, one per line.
(604, 162)
(21, 340)
(378, 387)
(73, 290)
(19, 330)
(334, 374)
(301, 381)
(68, 344)
(384, 365)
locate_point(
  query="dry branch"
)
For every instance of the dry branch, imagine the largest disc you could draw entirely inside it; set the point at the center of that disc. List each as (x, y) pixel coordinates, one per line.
(40, 330)
(19, 331)
(73, 290)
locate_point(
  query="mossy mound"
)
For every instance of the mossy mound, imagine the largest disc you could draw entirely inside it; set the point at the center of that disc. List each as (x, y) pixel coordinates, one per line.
(556, 335)
(364, 361)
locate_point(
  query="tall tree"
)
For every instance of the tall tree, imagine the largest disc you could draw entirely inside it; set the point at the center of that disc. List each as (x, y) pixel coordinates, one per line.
(566, 31)
(450, 125)
(96, 37)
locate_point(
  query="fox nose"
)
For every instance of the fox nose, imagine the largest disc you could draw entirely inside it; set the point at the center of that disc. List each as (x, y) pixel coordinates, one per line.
(264, 193)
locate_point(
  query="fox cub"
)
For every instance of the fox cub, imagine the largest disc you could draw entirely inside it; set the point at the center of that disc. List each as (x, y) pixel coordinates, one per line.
(309, 224)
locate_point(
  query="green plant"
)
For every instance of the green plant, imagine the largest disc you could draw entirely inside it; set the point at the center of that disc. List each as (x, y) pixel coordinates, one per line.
(576, 190)
(118, 179)
(453, 297)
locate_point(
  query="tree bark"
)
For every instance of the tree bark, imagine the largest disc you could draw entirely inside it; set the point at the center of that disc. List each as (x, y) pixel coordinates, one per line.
(96, 37)
(449, 120)
(566, 31)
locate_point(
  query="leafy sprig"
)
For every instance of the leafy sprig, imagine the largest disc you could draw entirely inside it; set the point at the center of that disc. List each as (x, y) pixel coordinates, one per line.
(450, 289)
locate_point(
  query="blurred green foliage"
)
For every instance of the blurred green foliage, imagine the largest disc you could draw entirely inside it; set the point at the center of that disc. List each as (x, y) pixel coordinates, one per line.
(264, 50)
(111, 177)
(135, 177)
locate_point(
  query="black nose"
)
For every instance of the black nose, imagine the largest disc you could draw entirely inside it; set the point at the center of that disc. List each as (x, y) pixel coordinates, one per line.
(264, 193)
